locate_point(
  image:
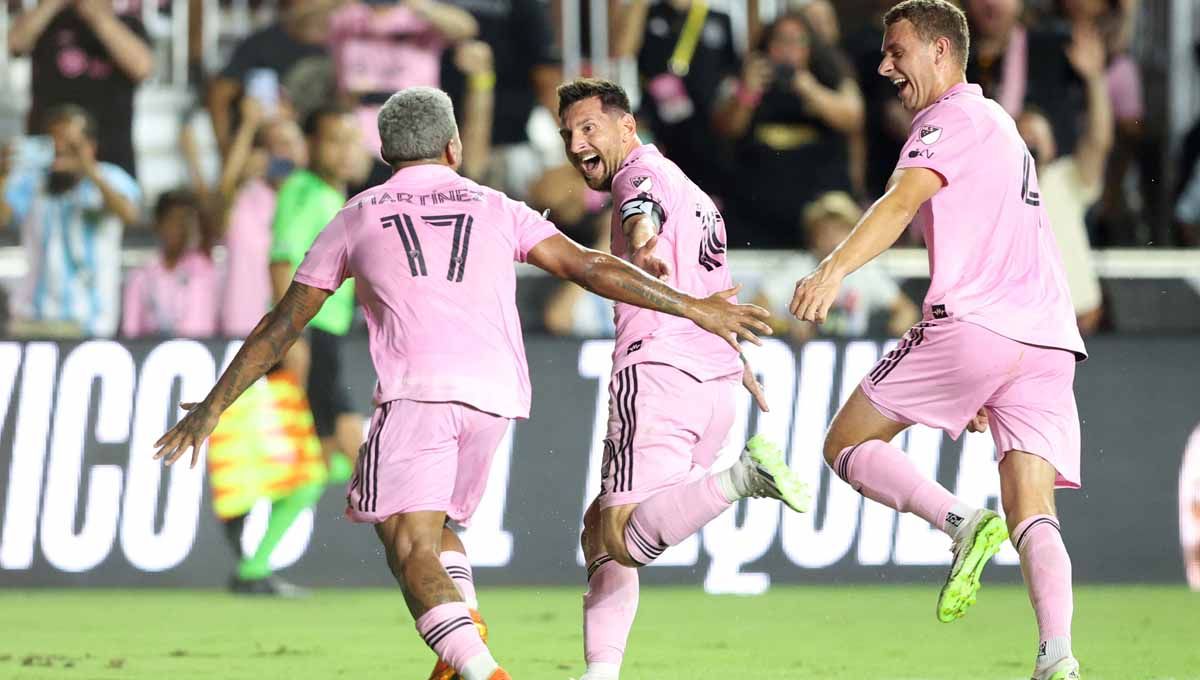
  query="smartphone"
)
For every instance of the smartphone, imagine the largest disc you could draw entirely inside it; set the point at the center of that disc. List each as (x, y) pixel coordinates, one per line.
(263, 85)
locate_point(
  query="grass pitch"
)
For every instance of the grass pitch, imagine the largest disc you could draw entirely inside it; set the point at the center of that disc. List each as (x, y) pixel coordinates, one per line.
(869, 633)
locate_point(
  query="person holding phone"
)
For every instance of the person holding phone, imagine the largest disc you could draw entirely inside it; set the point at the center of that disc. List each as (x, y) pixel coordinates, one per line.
(71, 215)
(789, 116)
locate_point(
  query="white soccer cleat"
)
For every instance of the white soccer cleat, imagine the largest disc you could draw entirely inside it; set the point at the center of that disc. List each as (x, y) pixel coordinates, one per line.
(762, 472)
(1065, 669)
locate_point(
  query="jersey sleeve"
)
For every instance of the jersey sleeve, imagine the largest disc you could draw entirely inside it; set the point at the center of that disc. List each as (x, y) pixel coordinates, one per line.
(529, 228)
(942, 141)
(326, 265)
(636, 190)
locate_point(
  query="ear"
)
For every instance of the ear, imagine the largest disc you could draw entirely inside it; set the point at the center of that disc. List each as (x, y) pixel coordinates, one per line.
(453, 152)
(941, 49)
(628, 125)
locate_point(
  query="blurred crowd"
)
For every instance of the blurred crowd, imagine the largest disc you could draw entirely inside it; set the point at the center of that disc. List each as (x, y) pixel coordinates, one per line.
(788, 127)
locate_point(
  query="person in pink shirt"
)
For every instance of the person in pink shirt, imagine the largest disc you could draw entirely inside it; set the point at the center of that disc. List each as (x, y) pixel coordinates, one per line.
(263, 153)
(175, 294)
(671, 397)
(383, 47)
(432, 256)
(998, 344)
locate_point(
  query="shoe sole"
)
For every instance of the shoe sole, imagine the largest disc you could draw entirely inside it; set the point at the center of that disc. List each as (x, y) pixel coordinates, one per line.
(962, 585)
(792, 490)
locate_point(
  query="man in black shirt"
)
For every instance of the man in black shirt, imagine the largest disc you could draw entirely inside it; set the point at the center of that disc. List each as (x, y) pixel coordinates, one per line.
(83, 53)
(295, 49)
(527, 73)
(1040, 76)
(682, 68)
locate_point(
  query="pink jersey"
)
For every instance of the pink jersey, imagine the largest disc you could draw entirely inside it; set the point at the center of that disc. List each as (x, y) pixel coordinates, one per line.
(692, 240)
(247, 294)
(432, 257)
(180, 302)
(993, 260)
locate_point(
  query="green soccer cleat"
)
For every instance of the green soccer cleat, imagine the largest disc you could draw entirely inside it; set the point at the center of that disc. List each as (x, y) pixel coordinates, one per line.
(1065, 669)
(765, 473)
(982, 538)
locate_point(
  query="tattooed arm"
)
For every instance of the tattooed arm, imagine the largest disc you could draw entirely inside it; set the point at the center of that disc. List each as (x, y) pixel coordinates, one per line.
(616, 279)
(267, 344)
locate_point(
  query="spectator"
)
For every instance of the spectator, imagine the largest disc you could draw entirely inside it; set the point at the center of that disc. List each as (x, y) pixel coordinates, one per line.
(1187, 195)
(71, 214)
(1018, 66)
(83, 53)
(292, 52)
(791, 116)
(474, 59)
(526, 73)
(307, 201)
(684, 52)
(828, 221)
(175, 294)
(381, 48)
(1069, 184)
(264, 153)
(886, 124)
(1118, 221)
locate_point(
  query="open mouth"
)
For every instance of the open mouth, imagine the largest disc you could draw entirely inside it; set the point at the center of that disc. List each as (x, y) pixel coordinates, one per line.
(902, 86)
(590, 163)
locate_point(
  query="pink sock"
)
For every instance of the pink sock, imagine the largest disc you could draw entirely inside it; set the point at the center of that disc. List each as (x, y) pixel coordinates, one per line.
(459, 568)
(608, 610)
(1047, 570)
(449, 630)
(672, 515)
(883, 473)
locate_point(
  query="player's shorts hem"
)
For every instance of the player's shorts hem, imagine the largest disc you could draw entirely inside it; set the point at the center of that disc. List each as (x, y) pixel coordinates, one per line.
(884, 410)
(1061, 481)
(361, 517)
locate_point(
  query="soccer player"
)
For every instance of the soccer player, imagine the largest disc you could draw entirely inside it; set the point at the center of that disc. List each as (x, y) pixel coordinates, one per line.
(998, 343)
(432, 255)
(671, 398)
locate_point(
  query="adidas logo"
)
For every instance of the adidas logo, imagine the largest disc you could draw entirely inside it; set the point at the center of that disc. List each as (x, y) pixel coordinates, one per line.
(957, 521)
(1042, 649)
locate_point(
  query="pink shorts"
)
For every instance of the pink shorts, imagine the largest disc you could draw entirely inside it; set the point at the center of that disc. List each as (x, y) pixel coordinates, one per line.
(944, 371)
(664, 427)
(424, 456)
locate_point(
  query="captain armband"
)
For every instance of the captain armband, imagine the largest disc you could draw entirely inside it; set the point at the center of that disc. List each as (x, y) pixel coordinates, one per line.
(643, 205)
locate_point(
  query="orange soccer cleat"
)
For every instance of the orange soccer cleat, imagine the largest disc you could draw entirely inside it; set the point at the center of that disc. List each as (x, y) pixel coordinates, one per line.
(500, 674)
(443, 671)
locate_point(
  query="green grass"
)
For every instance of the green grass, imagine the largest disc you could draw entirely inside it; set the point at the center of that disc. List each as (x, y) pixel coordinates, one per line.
(870, 633)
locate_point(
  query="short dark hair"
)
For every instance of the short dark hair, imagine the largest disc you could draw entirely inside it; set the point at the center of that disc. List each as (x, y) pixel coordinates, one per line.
(934, 19)
(65, 112)
(312, 123)
(176, 198)
(612, 95)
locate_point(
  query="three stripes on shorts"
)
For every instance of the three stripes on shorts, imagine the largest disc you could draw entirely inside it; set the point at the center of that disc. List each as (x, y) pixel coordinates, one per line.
(366, 477)
(620, 453)
(913, 338)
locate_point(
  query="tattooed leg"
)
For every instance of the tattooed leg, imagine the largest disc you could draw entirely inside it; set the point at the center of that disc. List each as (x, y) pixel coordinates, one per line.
(412, 542)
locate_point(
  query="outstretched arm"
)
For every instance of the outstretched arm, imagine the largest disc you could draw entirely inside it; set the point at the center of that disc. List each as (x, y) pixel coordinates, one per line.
(265, 347)
(613, 278)
(876, 232)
